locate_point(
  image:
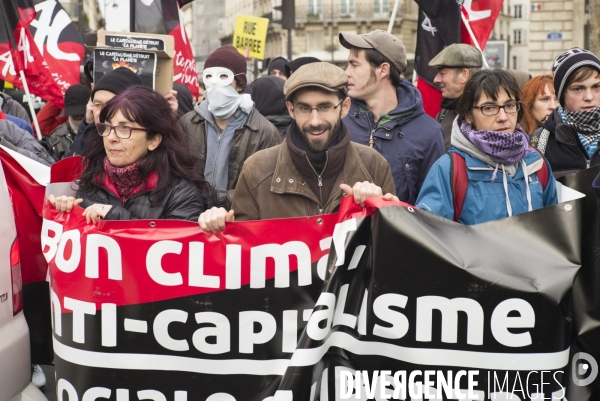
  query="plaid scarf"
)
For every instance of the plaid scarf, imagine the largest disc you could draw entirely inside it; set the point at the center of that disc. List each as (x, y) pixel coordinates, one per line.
(586, 124)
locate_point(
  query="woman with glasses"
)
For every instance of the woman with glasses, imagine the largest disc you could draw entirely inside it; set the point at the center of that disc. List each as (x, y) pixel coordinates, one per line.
(138, 166)
(490, 171)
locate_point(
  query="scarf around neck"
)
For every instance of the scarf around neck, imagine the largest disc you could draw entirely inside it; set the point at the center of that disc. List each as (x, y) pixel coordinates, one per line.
(492, 147)
(126, 179)
(587, 123)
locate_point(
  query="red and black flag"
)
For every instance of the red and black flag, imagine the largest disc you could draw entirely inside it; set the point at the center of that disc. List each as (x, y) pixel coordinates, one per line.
(439, 26)
(39, 38)
(163, 17)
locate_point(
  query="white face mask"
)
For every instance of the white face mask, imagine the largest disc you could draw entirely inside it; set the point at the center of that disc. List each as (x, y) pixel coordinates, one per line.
(222, 101)
(217, 77)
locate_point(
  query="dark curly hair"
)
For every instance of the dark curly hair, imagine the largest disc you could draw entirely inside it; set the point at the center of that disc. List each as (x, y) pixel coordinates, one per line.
(172, 157)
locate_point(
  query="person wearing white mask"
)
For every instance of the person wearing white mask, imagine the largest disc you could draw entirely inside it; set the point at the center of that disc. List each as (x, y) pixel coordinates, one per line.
(225, 128)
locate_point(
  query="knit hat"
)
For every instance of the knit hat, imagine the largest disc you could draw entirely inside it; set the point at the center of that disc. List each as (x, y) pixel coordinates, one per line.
(267, 93)
(228, 57)
(278, 63)
(293, 65)
(117, 81)
(567, 62)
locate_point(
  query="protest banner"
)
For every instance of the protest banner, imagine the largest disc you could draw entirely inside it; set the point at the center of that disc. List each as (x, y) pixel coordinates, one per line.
(159, 310)
(251, 32)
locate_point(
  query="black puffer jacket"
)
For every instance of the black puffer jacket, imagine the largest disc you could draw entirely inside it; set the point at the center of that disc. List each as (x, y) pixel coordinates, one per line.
(183, 201)
(563, 150)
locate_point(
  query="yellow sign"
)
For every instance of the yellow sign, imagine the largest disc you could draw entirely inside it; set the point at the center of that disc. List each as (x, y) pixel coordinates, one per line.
(251, 33)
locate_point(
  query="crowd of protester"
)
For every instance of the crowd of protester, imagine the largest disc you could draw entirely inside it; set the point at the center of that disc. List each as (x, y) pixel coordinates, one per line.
(294, 142)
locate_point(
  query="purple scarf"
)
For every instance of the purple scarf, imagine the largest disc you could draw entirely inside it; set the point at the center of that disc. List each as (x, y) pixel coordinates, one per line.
(501, 147)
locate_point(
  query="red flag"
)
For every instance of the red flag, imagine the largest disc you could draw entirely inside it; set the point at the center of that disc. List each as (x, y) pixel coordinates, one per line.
(481, 16)
(41, 40)
(163, 17)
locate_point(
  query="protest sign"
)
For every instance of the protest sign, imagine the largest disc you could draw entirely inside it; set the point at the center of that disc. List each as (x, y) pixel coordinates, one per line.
(251, 32)
(141, 63)
(134, 42)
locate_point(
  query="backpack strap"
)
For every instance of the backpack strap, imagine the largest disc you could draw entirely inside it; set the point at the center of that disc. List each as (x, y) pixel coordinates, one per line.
(542, 174)
(540, 141)
(459, 182)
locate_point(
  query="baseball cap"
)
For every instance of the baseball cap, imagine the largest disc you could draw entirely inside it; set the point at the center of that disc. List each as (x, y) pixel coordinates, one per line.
(322, 75)
(458, 55)
(76, 98)
(383, 42)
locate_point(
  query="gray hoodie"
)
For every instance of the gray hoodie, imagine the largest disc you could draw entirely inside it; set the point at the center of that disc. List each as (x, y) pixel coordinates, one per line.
(22, 142)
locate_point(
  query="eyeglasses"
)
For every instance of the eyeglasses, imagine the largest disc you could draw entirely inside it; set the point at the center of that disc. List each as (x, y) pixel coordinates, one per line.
(492, 110)
(321, 109)
(121, 131)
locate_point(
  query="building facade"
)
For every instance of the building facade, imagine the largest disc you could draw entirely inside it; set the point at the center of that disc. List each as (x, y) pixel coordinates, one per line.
(318, 23)
(204, 21)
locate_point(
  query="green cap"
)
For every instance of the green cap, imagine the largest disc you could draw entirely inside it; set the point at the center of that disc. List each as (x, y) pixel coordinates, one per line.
(458, 55)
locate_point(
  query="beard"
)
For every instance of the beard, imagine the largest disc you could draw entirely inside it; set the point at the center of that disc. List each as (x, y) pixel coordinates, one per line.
(321, 144)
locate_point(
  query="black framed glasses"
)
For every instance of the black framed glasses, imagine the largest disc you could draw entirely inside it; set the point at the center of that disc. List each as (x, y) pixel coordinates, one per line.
(121, 131)
(492, 109)
(321, 109)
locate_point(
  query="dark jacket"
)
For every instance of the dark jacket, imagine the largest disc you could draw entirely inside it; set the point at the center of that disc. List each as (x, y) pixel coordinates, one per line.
(60, 140)
(411, 142)
(256, 134)
(183, 201)
(446, 117)
(563, 150)
(77, 146)
(271, 186)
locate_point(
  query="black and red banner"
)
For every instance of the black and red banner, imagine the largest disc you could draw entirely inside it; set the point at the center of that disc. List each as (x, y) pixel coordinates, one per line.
(163, 17)
(298, 309)
(39, 38)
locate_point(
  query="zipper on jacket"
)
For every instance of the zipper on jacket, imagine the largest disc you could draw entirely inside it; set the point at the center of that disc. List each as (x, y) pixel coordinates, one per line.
(319, 177)
(214, 180)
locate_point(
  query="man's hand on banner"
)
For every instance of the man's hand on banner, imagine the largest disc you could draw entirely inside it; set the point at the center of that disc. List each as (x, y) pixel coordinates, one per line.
(361, 191)
(213, 220)
(64, 203)
(171, 97)
(95, 212)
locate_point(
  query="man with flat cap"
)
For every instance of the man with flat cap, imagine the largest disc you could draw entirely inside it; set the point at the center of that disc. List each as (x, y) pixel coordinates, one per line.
(310, 172)
(456, 64)
(386, 111)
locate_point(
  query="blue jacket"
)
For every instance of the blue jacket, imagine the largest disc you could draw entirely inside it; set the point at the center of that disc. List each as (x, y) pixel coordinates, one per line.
(485, 200)
(411, 142)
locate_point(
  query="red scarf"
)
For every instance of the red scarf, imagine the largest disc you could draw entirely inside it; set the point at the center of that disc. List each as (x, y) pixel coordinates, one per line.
(126, 181)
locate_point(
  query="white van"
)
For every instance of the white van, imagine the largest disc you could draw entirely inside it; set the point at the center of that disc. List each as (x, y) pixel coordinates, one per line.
(15, 360)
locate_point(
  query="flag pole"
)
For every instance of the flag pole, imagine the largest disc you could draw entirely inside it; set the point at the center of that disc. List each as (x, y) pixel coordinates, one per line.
(30, 103)
(393, 17)
(468, 26)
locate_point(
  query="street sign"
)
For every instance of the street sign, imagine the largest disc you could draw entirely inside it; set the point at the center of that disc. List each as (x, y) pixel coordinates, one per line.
(251, 33)
(554, 36)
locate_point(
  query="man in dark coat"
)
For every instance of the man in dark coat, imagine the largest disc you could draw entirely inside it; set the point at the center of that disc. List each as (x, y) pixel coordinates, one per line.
(61, 138)
(387, 112)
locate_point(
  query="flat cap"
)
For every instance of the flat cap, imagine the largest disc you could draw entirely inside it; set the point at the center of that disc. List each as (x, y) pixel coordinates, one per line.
(383, 42)
(322, 75)
(458, 55)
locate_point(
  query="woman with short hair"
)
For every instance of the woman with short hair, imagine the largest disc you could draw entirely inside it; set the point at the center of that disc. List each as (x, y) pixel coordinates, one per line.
(138, 166)
(490, 171)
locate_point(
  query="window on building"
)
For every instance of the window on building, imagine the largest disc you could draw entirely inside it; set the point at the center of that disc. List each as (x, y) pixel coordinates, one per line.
(517, 37)
(315, 7)
(514, 62)
(381, 6)
(315, 41)
(519, 11)
(347, 7)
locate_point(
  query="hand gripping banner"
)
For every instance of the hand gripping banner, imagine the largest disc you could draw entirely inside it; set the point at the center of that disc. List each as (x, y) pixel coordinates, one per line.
(407, 302)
